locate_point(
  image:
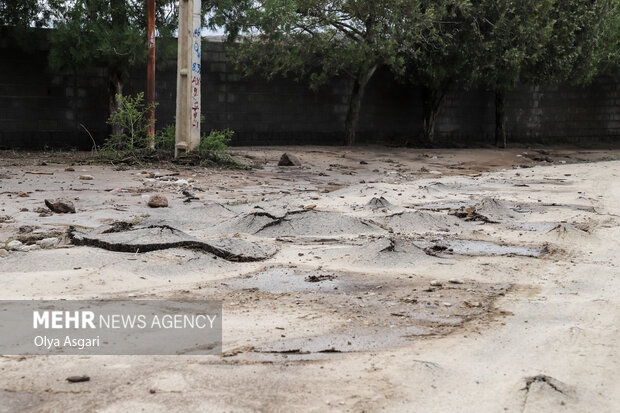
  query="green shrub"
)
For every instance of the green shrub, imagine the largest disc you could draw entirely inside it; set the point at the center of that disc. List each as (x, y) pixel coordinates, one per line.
(130, 145)
(131, 118)
(165, 138)
(215, 144)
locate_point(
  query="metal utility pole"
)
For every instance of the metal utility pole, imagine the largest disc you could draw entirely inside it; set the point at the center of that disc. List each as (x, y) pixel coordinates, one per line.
(150, 75)
(188, 77)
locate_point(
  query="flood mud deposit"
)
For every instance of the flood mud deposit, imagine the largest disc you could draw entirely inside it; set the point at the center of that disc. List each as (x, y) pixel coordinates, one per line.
(392, 282)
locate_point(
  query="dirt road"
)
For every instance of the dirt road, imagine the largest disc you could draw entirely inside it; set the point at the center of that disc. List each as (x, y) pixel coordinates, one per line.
(371, 279)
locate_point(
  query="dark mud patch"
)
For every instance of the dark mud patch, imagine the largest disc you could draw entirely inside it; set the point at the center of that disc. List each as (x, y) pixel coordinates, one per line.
(126, 237)
(375, 311)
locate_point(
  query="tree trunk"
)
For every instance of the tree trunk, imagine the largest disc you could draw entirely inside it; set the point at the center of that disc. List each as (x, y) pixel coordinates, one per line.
(432, 104)
(115, 88)
(355, 105)
(500, 133)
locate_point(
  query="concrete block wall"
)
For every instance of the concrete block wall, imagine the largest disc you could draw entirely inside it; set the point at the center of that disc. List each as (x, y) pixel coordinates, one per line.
(43, 108)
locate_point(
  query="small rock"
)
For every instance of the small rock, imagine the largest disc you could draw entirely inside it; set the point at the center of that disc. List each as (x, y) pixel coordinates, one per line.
(310, 207)
(27, 248)
(455, 281)
(22, 194)
(86, 177)
(43, 212)
(363, 163)
(69, 169)
(473, 304)
(158, 201)
(15, 244)
(24, 210)
(25, 229)
(60, 206)
(436, 283)
(446, 304)
(47, 242)
(289, 160)
(3, 253)
(78, 379)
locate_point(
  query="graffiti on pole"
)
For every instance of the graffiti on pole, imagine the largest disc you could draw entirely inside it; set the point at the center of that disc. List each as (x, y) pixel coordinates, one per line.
(196, 70)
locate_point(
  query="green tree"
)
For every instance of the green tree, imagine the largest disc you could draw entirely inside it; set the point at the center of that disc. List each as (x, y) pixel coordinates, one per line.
(509, 38)
(437, 65)
(317, 40)
(22, 13)
(609, 50)
(20, 18)
(535, 42)
(109, 34)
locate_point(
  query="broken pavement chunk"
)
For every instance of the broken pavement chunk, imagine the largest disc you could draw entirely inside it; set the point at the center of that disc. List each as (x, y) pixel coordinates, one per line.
(78, 379)
(60, 206)
(125, 237)
(288, 159)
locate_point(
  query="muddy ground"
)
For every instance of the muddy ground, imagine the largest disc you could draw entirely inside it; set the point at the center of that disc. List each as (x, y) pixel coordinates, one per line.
(368, 279)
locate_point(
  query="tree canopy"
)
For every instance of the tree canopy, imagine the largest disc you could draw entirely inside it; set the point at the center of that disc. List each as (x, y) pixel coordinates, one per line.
(432, 44)
(535, 42)
(320, 39)
(110, 34)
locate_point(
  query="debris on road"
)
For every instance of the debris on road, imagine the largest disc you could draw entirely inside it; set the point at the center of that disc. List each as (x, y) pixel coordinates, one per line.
(158, 201)
(288, 159)
(60, 206)
(78, 379)
(126, 237)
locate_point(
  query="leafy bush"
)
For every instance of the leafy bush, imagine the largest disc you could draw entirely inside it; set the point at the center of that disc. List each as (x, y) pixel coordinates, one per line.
(130, 145)
(131, 119)
(165, 138)
(214, 146)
